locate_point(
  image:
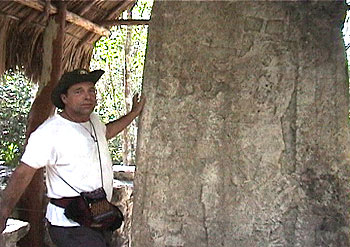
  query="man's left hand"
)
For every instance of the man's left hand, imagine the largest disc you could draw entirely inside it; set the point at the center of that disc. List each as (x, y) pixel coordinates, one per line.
(138, 104)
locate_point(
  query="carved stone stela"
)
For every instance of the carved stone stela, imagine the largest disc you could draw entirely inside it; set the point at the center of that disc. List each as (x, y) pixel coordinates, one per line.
(244, 140)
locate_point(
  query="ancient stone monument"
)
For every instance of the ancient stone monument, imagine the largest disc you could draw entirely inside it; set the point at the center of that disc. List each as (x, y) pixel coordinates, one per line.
(244, 141)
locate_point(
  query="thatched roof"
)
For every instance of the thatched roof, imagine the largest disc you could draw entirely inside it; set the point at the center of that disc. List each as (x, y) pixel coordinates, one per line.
(22, 23)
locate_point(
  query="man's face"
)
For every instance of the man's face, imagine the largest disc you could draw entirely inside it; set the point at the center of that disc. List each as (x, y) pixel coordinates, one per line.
(80, 98)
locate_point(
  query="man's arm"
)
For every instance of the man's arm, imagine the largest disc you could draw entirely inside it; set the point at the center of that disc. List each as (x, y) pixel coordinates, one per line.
(18, 182)
(115, 127)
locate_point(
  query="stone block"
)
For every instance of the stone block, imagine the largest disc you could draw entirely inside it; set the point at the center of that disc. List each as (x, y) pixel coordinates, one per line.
(14, 231)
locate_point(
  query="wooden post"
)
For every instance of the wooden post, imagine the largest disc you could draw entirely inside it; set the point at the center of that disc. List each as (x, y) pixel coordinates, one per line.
(127, 86)
(32, 202)
(3, 33)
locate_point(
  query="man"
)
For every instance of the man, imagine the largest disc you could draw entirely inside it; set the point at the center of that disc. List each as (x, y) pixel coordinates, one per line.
(72, 145)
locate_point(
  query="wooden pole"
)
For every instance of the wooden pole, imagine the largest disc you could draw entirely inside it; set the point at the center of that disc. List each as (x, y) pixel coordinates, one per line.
(124, 22)
(3, 35)
(70, 17)
(113, 13)
(32, 202)
(127, 86)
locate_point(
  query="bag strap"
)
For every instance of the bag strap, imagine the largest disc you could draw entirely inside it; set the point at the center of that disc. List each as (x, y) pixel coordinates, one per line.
(99, 159)
(98, 151)
(66, 182)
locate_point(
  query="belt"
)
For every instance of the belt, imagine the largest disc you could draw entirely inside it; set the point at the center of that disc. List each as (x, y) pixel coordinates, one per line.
(63, 202)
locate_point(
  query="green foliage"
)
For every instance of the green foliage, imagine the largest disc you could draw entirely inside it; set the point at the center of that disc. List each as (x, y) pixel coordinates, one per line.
(109, 55)
(16, 94)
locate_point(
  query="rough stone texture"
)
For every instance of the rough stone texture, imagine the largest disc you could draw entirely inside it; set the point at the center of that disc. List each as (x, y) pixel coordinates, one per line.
(14, 231)
(244, 140)
(124, 200)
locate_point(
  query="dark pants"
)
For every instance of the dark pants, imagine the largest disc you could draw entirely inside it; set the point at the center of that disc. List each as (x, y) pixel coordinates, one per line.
(78, 237)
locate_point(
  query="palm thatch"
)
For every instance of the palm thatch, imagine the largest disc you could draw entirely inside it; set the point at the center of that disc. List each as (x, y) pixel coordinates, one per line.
(22, 27)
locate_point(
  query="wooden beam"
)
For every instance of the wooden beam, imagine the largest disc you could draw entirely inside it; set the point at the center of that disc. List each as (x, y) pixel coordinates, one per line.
(71, 17)
(3, 39)
(114, 12)
(38, 25)
(124, 22)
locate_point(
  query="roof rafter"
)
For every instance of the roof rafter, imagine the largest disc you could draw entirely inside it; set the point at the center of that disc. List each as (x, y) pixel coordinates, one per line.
(124, 22)
(71, 17)
(114, 12)
(33, 23)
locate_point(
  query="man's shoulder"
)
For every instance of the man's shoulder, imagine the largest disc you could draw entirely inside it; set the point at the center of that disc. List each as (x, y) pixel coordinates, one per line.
(95, 118)
(52, 123)
(53, 120)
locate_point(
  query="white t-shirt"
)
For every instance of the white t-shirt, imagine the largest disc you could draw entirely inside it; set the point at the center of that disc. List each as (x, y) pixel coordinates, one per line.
(68, 149)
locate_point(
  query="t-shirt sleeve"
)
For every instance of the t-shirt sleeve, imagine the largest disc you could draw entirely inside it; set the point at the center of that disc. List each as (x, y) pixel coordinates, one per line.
(39, 151)
(99, 124)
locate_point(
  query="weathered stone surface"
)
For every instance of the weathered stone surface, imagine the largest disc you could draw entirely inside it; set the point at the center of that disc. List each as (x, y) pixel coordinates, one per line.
(14, 231)
(123, 198)
(245, 139)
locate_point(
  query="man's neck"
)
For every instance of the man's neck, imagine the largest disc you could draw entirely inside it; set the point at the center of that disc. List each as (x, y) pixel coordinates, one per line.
(74, 118)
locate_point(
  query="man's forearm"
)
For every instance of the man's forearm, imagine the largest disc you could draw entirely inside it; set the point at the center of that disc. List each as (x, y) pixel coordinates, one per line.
(18, 182)
(115, 127)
